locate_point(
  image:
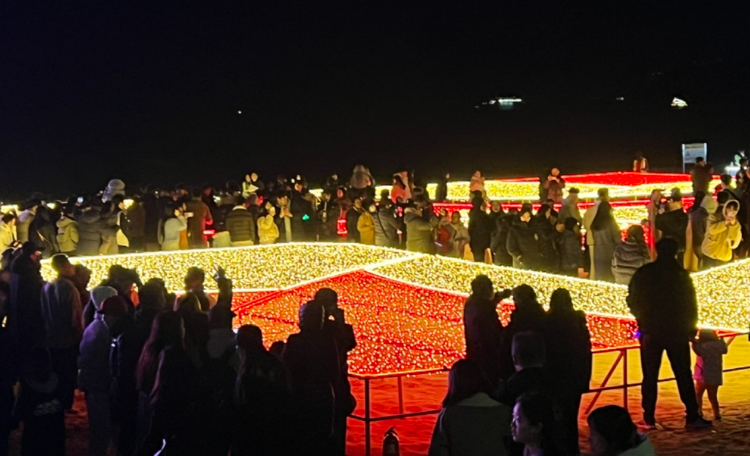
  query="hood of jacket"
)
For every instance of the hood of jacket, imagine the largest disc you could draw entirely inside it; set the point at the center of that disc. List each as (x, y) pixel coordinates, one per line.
(64, 222)
(709, 204)
(410, 214)
(25, 216)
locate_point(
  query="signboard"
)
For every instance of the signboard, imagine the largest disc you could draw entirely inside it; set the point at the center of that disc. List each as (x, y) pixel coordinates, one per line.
(692, 151)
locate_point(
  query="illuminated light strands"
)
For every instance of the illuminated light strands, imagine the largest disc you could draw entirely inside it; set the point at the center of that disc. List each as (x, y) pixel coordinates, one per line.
(399, 327)
(278, 265)
(722, 292)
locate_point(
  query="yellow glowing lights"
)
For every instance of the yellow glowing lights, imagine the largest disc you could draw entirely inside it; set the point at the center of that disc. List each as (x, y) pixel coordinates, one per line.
(723, 292)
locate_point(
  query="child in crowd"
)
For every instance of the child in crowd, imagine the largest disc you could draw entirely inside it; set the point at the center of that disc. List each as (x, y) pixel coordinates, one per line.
(708, 368)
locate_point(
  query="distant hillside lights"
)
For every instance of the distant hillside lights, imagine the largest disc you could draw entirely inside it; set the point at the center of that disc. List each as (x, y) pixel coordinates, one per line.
(502, 102)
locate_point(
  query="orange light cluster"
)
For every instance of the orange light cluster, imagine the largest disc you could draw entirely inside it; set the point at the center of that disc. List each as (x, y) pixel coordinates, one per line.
(399, 327)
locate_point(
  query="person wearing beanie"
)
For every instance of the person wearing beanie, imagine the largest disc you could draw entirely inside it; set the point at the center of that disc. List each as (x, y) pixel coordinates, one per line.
(114, 187)
(94, 377)
(98, 295)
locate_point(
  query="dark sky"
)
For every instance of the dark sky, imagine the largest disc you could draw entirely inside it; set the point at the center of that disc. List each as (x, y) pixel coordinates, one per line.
(150, 91)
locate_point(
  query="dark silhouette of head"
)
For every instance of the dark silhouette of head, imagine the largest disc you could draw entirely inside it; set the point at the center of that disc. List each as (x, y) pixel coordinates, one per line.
(464, 381)
(667, 248)
(560, 301)
(482, 286)
(528, 350)
(612, 431)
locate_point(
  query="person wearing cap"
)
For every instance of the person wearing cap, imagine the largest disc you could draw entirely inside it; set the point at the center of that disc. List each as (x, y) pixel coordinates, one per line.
(314, 371)
(569, 206)
(62, 318)
(94, 377)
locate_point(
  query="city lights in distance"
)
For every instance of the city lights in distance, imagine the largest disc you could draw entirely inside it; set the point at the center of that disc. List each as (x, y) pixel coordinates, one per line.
(679, 103)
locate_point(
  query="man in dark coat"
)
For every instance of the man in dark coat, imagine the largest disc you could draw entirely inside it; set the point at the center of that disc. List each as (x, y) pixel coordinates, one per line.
(314, 370)
(25, 315)
(523, 243)
(328, 216)
(673, 223)
(662, 298)
(241, 226)
(480, 229)
(482, 327)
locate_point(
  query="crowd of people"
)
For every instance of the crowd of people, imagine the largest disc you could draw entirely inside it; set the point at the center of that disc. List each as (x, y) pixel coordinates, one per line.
(713, 231)
(518, 392)
(164, 373)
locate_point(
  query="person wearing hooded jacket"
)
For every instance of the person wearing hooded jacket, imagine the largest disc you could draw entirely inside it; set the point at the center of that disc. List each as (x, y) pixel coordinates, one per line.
(630, 255)
(8, 231)
(24, 221)
(523, 244)
(89, 231)
(723, 234)
(67, 234)
(386, 225)
(419, 231)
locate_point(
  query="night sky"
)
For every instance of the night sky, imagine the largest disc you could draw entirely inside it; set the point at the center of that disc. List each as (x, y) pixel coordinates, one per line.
(150, 91)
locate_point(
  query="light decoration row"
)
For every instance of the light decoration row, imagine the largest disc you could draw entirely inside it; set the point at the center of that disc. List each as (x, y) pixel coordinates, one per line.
(399, 327)
(270, 267)
(722, 293)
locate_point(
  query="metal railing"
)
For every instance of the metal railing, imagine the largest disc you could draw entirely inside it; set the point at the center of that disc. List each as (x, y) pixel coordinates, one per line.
(620, 361)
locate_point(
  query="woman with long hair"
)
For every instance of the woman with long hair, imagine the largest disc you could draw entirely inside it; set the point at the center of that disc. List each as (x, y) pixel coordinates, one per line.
(170, 227)
(471, 421)
(166, 379)
(630, 254)
(606, 237)
(569, 360)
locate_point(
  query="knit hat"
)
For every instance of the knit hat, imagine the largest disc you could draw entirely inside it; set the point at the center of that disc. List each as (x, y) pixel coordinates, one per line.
(114, 306)
(100, 294)
(114, 187)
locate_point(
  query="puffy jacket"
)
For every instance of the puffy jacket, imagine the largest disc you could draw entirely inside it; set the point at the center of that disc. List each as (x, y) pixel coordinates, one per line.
(62, 314)
(7, 236)
(23, 224)
(386, 226)
(546, 239)
(89, 232)
(136, 215)
(240, 224)
(480, 230)
(569, 209)
(67, 235)
(721, 238)
(499, 244)
(93, 359)
(352, 218)
(523, 244)
(366, 228)
(419, 231)
(571, 256)
(268, 232)
(673, 224)
(169, 237)
(629, 257)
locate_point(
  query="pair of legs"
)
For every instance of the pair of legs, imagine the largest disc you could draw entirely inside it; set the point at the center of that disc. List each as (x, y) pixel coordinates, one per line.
(713, 398)
(678, 352)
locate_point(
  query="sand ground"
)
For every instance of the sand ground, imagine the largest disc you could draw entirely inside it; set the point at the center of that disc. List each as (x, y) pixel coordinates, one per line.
(729, 437)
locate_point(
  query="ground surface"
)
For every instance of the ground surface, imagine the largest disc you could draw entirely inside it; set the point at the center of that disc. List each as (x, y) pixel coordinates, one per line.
(730, 437)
